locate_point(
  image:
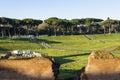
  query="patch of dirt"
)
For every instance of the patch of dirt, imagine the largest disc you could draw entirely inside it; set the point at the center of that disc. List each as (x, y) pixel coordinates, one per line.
(101, 55)
(102, 65)
(37, 68)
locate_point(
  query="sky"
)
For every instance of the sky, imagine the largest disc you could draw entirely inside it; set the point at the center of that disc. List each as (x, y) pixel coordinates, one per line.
(65, 9)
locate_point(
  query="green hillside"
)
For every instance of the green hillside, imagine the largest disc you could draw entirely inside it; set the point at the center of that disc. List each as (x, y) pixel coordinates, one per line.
(70, 51)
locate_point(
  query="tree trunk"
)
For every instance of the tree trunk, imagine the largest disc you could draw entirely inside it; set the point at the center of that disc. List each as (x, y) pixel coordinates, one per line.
(71, 30)
(15, 32)
(2, 32)
(55, 31)
(63, 31)
(67, 29)
(27, 30)
(88, 30)
(104, 30)
(115, 31)
(19, 33)
(9, 33)
(109, 30)
(37, 33)
(79, 31)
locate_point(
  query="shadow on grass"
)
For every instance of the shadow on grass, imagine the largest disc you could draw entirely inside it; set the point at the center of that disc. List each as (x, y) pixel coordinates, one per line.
(3, 49)
(63, 60)
(20, 39)
(36, 40)
(49, 42)
(68, 74)
(6, 42)
(24, 39)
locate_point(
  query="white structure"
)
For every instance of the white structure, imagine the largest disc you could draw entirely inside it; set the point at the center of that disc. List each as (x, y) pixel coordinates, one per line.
(27, 53)
(15, 52)
(31, 37)
(37, 54)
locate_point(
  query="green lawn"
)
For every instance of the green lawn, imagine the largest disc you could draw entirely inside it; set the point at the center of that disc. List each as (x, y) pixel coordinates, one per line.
(70, 51)
(21, 44)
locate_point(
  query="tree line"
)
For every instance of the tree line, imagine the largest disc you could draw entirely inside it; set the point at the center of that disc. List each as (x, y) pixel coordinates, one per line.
(56, 26)
(16, 27)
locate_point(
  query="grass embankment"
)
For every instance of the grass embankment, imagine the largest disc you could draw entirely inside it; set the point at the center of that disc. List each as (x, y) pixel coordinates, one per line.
(21, 44)
(70, 51)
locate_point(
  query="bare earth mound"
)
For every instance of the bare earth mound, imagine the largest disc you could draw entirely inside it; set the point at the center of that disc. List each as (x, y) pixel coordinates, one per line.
(102, 65)
(37, 68)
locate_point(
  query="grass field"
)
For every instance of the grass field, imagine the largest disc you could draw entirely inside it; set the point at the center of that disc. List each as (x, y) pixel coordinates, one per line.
(70, 51)
(21, 44)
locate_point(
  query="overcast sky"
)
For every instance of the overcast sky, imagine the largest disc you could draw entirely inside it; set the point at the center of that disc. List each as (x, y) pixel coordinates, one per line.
(69, 9)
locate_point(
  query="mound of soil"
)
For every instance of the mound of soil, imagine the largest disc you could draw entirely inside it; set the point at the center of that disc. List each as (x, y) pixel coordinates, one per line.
(101, 55)
(102, 65)
(38, 68)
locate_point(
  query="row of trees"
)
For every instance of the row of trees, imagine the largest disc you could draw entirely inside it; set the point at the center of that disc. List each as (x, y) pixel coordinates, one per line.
(10, 27)
(56, 26)
(81, 26)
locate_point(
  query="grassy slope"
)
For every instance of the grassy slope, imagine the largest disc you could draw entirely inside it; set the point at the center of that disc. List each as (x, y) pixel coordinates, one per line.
(21, 44)
(70, 51)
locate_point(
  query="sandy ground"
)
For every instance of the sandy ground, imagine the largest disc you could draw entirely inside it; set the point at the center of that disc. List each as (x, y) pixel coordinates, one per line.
(38, 68)
(103, 66)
